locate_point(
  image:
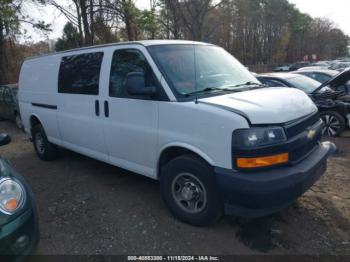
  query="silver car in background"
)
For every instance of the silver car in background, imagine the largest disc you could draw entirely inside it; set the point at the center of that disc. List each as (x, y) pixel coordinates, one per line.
(9, 108)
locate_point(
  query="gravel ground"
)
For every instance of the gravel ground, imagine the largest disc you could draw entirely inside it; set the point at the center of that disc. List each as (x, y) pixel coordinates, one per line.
(88, 207)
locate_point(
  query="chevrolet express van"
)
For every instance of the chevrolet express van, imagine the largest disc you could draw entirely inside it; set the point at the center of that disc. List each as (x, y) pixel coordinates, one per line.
(185, 113)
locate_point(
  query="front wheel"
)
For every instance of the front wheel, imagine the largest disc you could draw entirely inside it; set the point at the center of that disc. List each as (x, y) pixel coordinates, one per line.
(334, 123)
(189, 190)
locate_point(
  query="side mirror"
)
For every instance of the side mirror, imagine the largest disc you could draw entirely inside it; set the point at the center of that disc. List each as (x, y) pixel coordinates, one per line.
(4, 139)
(135, 85)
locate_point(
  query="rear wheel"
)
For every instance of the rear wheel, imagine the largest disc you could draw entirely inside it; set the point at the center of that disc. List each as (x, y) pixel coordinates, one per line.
(334, 123)
(189, 190)
(44, 149)
(18, 120)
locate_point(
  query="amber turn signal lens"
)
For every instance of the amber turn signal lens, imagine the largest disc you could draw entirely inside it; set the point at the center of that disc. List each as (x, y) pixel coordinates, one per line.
(11, 205)
(262, 161)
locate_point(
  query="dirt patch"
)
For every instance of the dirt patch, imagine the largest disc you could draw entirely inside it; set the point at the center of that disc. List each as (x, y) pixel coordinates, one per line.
(88, 207)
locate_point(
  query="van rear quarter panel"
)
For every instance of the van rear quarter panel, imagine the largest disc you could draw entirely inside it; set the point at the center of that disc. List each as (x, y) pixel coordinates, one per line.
(38, 84)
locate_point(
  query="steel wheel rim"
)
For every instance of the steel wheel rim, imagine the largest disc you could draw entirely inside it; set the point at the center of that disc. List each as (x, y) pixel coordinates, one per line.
(189, 193)
(331, 125)
(39, 143)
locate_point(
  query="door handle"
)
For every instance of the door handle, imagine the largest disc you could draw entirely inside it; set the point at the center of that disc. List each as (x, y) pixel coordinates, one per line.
(106, 109)
(97, 108)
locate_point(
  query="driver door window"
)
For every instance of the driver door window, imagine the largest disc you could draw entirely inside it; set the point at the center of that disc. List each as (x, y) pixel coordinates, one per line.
(124, 62)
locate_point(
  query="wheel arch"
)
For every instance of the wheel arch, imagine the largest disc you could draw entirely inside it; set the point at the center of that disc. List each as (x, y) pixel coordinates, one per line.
(173, 150)
(34, 120)
(333, 110)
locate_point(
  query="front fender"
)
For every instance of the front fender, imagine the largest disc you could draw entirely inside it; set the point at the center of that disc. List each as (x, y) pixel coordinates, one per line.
(189, 147)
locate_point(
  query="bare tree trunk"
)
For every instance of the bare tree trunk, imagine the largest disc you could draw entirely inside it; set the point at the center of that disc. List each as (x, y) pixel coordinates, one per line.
(173, 12)
(128, 26)
(80, 29)
(84, 15)
(193, 14)
(92, 30)
(128, 20)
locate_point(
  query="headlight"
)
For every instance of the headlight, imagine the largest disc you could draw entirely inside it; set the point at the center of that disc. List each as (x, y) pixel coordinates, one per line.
(12, 196)
(259, 136)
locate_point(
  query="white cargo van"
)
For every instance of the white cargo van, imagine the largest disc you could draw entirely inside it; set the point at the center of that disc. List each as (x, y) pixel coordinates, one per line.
(185, 113)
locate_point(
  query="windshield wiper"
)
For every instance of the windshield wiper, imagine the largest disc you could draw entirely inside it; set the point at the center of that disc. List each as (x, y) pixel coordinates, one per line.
(209, 89)
(250, 83)
(233, 88)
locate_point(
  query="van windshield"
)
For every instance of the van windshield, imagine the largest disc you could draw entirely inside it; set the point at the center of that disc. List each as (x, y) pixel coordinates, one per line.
(194, 69)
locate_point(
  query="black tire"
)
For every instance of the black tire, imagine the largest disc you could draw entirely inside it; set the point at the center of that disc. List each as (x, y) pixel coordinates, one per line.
(211, 209)
(334, 123)
(18, 121)
(44, 149)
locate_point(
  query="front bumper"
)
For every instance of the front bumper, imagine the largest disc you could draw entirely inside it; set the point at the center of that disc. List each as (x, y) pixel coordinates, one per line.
(20, 236)
(265, 192)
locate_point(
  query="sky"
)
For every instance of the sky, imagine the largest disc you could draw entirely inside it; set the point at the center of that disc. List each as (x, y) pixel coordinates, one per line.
(335, 10)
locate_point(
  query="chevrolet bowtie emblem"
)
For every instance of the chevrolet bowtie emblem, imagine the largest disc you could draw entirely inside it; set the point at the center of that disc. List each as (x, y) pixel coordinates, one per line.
(311, 133)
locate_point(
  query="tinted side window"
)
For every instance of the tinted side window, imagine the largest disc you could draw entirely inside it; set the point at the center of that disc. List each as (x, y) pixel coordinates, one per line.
(123, 63)
(321, 77)
(309, 74)
(278, 83)
(271, 82)
(80, 74)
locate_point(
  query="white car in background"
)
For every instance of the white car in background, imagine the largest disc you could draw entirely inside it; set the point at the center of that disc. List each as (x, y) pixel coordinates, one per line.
(307, 68)
(282, 68)
(340, 66)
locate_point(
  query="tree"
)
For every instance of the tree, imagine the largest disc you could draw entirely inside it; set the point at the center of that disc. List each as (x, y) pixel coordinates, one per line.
(194, 14)
(255, 31)
(70, 38)
(88, 13)
(186, 18)
(78, 14)
(169, 19)
(148, 24)
(104, 32)
(11, 15)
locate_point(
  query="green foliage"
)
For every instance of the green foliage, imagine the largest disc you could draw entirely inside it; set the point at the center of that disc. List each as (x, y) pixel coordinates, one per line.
(11, 17)
(70, 38)
(8, 17)
(41, 25)
(148, 23)
(255, 31)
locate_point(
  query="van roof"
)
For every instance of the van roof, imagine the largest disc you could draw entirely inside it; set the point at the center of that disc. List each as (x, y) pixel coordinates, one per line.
(143, 43)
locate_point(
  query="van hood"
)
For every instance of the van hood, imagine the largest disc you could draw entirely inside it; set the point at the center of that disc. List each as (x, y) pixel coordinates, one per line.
(274, 105)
